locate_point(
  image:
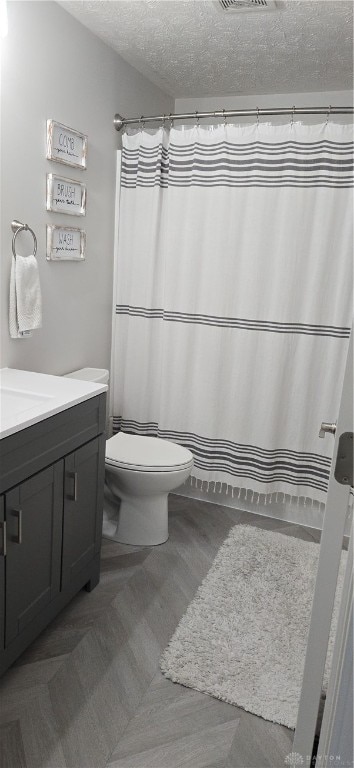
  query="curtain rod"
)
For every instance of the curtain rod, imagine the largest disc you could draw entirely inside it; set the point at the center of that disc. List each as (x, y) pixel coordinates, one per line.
(120, 122)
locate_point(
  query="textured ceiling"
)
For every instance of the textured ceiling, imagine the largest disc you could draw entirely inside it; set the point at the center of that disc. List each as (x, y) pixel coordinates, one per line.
(192, 48)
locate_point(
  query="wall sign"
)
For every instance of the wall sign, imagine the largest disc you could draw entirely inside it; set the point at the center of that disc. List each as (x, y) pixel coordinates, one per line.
(65, 195)
(65, 243)
(65, 145)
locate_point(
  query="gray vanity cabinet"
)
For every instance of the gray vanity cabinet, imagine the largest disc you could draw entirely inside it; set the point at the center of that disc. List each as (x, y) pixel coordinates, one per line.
(84, 479)
(2, 571)
(33, 558)
(51, 503)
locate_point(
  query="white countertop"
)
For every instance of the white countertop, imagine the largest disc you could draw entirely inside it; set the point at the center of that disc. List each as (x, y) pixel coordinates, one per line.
(27, 397)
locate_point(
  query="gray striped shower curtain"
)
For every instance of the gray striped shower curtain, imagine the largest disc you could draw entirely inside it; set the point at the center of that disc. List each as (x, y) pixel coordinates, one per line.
(233, 298)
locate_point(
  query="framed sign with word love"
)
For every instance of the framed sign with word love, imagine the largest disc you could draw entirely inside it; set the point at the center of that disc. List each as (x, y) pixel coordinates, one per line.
(65, 243)
(65, 195)
(65, 145)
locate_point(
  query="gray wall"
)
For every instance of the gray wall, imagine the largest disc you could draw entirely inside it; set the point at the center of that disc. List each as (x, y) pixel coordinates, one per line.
(53, 67)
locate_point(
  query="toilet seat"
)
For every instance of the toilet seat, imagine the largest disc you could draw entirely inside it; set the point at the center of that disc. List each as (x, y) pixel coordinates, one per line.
(146, 454)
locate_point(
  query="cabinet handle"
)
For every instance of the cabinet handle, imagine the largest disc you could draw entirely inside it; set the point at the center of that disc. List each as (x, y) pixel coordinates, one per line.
(3, 543)
(17, 512)
(73, 476)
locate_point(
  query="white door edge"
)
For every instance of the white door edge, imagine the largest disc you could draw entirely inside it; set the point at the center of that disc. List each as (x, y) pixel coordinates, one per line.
(339, 699)
(326, 583)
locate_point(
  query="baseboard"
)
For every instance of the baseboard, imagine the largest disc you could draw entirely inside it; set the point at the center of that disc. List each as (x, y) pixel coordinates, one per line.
(310, 515)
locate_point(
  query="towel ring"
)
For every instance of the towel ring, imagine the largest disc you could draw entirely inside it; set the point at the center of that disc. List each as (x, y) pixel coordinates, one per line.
(17, 227)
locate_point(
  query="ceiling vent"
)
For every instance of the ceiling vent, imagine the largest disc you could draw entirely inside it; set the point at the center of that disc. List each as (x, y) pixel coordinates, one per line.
(246, 5)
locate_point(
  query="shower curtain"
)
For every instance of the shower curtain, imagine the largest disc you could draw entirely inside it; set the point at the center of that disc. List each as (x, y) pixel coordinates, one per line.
(233, 298)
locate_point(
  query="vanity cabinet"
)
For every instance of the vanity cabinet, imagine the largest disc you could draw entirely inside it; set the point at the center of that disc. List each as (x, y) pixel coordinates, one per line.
(2, 573)
(33, 548)
(84, 478)
(51, 502)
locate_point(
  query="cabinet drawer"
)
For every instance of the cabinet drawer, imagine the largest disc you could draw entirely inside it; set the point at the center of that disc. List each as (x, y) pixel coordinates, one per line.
(30, 450)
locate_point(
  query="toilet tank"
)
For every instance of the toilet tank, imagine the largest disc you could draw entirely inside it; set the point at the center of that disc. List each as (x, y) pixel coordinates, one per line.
(96, 375)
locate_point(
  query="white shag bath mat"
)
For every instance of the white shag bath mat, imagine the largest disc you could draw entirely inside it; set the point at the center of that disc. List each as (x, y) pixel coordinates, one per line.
(243, 637)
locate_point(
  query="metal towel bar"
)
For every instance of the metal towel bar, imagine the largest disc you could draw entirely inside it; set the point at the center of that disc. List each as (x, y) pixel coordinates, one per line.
(17, 227)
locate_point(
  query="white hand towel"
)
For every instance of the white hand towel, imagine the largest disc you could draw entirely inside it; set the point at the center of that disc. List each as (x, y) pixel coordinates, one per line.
(25, 311)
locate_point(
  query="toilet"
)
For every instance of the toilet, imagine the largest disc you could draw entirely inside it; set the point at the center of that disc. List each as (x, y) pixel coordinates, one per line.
(140, 473)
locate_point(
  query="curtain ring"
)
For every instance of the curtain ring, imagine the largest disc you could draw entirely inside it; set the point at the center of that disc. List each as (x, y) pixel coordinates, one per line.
(171, 119)
(142, 122)
(257, 117)
(328, 113)
(163, 120)
(224, 115)
(197, 117)
(292, 116)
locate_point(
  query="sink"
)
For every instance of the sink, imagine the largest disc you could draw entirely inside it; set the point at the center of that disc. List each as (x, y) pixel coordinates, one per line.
(27, 397)
(16, 401)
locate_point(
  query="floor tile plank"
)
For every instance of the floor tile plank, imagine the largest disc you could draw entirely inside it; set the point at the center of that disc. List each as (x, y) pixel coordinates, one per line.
(202, 749)
(88, 693)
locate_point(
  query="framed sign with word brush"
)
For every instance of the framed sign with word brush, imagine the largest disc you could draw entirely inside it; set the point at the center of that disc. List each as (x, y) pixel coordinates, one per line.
(65, 195)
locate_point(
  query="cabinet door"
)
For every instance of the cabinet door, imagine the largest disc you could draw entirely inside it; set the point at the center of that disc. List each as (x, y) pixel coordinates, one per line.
(83, 505)
(34, 511)
(2, 571)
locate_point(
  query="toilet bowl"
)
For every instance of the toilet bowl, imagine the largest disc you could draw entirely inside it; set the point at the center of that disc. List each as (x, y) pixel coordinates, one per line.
(140, 473)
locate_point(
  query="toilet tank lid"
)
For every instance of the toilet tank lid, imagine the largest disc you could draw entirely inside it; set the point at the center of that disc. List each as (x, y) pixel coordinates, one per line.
(96, 375)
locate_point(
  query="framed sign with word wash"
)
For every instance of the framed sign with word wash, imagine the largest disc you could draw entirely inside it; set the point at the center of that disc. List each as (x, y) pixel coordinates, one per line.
(65, 145)
(65, 243)
(65, 195)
